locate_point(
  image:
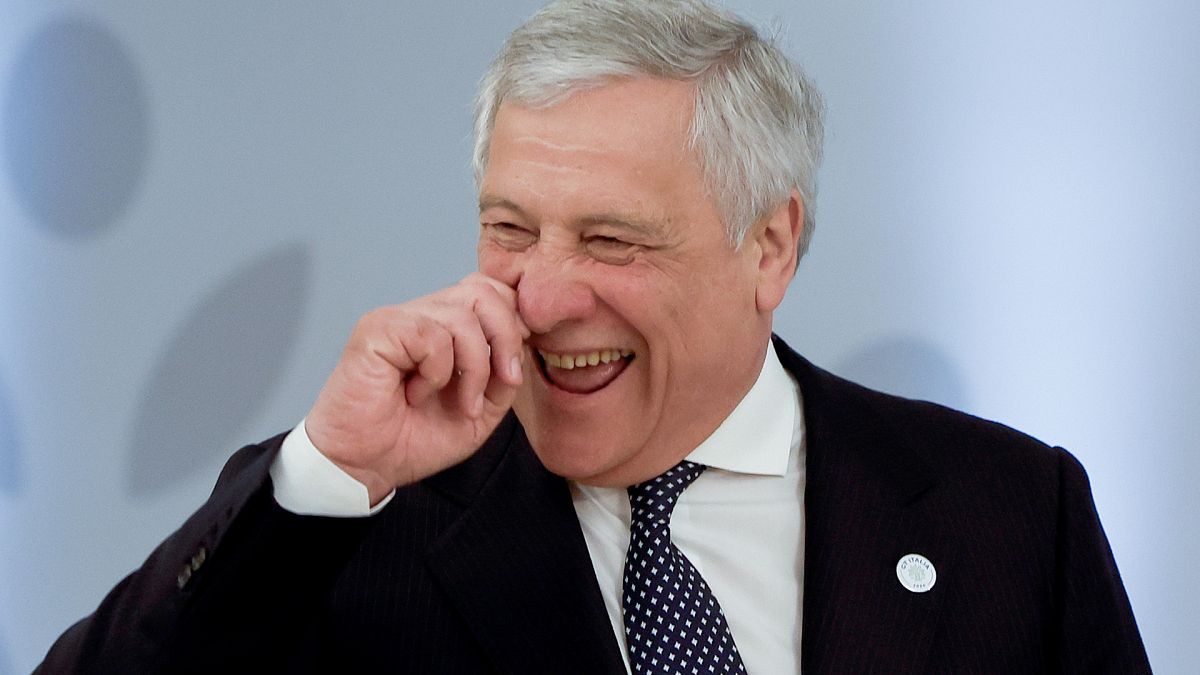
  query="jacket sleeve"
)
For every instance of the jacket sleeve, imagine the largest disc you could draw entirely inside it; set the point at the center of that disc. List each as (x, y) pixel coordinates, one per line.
(233, 588)
(1098, 633)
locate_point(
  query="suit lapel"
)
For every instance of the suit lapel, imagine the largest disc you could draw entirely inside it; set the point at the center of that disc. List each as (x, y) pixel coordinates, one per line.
(517, 568)
(868, 503)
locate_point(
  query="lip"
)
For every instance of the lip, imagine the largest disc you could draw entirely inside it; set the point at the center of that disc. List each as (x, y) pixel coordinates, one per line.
(541, 367)
(541, 345)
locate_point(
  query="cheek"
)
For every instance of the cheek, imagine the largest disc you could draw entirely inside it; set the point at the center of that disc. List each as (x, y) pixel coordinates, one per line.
(665, 310)
(649, 308)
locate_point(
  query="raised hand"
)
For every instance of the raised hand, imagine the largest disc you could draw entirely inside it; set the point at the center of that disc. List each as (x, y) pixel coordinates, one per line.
(421, 385)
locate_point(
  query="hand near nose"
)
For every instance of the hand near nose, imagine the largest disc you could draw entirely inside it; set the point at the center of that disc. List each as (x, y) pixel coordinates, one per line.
(421, 385)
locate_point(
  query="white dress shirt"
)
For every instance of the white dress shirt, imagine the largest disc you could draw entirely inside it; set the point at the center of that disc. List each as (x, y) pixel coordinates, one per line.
(741, 523)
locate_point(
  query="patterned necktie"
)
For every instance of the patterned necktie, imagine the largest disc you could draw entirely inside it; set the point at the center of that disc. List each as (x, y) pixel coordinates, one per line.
(673, 623)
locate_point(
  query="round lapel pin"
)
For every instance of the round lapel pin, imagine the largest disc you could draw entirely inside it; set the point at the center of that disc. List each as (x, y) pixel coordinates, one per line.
(916, 573)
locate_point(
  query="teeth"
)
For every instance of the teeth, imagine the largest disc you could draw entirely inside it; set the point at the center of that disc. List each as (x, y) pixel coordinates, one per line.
(571, 361)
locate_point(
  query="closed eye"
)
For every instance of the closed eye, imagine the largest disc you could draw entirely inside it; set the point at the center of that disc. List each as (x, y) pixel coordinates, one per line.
(611, 250)
(509, 235)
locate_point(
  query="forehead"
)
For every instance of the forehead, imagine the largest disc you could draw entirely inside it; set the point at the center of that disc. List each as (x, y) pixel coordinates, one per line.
(628, 136)
(636, 104)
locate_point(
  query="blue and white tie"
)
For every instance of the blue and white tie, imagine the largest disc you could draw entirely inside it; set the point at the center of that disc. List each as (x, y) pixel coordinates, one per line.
(673, 622)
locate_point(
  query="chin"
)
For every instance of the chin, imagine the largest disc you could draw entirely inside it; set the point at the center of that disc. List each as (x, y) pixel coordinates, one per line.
(574, 459)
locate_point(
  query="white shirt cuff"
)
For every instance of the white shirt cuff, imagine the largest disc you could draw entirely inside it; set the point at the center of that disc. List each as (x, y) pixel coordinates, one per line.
(308, 483)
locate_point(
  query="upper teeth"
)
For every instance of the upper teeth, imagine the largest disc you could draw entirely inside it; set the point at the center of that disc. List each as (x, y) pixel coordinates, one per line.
(569, 361)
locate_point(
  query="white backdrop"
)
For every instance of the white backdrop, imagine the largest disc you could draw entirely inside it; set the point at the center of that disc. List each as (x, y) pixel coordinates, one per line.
(198, 199)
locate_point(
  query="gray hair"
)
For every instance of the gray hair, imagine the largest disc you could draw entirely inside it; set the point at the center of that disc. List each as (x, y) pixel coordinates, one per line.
(757, 123)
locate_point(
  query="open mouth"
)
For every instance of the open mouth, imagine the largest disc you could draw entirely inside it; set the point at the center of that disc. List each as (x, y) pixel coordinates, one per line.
(583, 373)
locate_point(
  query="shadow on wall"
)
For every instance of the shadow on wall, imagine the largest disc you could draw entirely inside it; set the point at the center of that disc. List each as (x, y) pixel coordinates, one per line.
(218, 370)
(77, 130)
(11, 471)
(907, 366)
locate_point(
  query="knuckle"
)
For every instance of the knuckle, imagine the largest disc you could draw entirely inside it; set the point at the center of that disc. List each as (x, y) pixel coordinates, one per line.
(367, 322)
(492, 287)
(422, 327)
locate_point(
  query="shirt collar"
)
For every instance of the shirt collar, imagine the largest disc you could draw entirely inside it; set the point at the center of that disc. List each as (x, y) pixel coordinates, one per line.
(757, 436)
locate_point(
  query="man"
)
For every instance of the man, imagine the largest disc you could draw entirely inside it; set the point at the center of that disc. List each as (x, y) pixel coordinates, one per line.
(494, 476)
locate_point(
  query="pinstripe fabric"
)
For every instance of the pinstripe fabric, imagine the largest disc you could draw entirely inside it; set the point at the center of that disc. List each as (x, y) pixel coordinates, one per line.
(483, 568)
(1026, 581)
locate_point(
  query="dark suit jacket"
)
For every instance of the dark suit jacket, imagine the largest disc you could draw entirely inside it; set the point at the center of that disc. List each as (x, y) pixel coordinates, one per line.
(483, 568)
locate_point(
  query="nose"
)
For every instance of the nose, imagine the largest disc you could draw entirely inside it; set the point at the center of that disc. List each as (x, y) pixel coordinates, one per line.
(552, 292)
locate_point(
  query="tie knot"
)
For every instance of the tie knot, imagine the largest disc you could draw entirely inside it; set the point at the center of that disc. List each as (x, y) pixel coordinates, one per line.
(654, 500)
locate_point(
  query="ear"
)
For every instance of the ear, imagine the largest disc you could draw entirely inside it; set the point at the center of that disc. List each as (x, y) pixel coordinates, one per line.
(777, 237)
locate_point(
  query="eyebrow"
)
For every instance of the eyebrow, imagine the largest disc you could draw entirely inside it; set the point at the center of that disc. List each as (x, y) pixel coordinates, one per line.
(491, 201)
(620, 221)
(640, 226)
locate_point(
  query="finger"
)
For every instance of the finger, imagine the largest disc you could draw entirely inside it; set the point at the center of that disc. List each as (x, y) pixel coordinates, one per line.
(471, 360)
(507, 295)
(431, 347)
(505, 332)
(500, 393)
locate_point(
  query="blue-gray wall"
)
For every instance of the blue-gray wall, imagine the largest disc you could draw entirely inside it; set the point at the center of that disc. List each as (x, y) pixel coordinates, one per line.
(198, 199)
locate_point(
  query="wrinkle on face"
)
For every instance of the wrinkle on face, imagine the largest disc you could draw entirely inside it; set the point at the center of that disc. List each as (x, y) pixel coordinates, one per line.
(614, 163)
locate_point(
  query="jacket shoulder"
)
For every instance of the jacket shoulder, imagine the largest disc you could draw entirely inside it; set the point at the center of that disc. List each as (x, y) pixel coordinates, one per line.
(950, 442)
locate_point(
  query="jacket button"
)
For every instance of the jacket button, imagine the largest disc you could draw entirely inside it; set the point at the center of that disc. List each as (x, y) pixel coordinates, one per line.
(184, 577)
